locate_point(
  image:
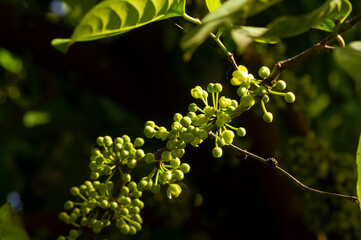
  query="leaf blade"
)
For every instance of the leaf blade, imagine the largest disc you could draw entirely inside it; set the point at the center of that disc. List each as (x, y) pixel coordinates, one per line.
(358, 162)
(213, 5)
(10, 224)
(288, 26)
(348, 59)
(113, 17)
(329, 24)
(228, 13)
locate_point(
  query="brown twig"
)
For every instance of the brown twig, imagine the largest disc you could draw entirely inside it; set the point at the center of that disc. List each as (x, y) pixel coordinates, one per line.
(319, 48)
(274, 164)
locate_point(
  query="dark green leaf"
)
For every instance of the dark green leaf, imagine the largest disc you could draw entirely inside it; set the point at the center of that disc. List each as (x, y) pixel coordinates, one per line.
(230, 12)
(10, 225)
(358, 161)
(288, 26)
(213, 5)
(348, 59)
(113, 17)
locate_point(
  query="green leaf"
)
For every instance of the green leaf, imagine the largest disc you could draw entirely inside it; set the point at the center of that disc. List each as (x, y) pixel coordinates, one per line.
(329, 23)
(322, 17)
(358, 162)
(213, 5)
(34, 118)
(10, 225)
(225, 16)
(245, 35)
(348, 59)
(113, 17)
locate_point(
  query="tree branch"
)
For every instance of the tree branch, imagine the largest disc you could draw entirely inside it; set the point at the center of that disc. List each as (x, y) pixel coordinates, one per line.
(319, 48)
(272, 162)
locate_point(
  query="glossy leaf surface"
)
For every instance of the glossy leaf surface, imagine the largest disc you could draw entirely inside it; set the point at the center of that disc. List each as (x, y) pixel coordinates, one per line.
(113, 17)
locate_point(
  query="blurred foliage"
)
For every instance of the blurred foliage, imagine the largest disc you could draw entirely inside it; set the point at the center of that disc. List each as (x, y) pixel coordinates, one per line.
(112, 86)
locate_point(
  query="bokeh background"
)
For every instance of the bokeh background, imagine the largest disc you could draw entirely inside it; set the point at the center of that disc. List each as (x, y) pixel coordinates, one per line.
(53, 106)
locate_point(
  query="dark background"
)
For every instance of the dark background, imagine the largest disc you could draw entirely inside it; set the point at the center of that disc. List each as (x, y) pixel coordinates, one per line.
(112, 86)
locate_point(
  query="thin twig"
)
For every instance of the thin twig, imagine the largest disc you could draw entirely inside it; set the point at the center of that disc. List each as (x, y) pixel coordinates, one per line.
(319, 48)
(274, 164)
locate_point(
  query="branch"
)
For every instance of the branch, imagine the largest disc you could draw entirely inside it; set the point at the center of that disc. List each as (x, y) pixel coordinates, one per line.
(274, 164)
(319, 48)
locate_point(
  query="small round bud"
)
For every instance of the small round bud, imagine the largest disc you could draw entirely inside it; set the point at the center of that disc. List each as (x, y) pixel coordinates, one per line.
(113, 205)
(132, 163)
(228, 136)
(268, 117)
(281, 85)
(217, 152)
(149, 132)
(247, 101)
(100, 141)
(94, 175)
(265, 98)
(210, 87)
(138, 142)
(264, 72)
(185, 168)
(150, 124)
(242, 68)
(175, 162)
(192, 107)
(241, 132)
(290, 97)
(236, 81)
(142, 185)
(149, 158)
(241, 91)
(74, 191)
(186, 121)
(166, 156)
(68, 205)
(108, 142)
(261, 91)
(217, 88)
(126, 177)
(177, 117)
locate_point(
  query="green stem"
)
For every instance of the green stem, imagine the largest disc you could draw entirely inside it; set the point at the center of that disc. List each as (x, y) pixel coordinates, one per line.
(214, 101)
(277, 93)
(263, 107)
(215, 38)
(231, 127)
(217, 96)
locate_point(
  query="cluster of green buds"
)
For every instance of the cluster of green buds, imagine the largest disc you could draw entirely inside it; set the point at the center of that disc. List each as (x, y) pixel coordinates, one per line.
(99, 203)
(217, 116)
(249, 88)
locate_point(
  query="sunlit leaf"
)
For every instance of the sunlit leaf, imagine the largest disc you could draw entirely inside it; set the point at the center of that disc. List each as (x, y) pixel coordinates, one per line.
(113, 17)
(213, 5)
(10, 225)
(225, 16)
(348, 59)
(288, 26)
(358, 161)
(245, 35)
